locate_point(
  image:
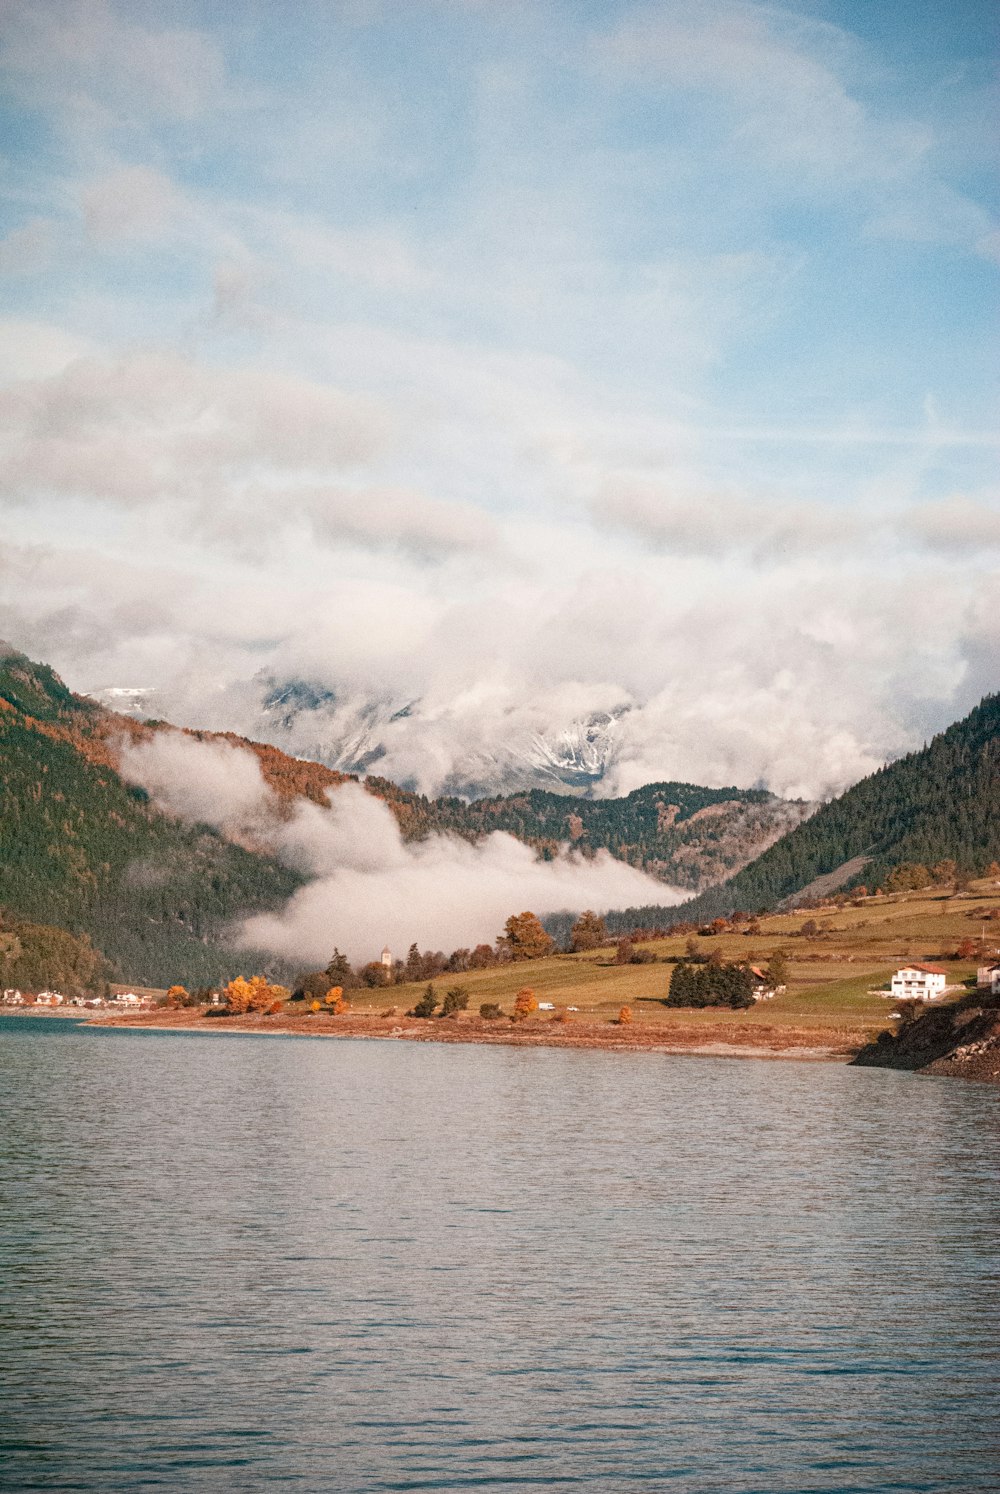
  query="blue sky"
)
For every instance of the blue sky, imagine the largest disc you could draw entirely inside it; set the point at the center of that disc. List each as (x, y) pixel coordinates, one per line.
(530, 360)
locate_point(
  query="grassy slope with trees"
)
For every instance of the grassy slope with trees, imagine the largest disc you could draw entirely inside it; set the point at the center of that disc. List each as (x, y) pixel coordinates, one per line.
(942, 802)
(836, 966)
(836, 957)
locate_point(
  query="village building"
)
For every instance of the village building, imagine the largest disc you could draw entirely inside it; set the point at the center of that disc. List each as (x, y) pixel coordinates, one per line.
(918, 983)
(48, 998)
(762, 987)
(12, 998)
(387, 958)
(988, 978)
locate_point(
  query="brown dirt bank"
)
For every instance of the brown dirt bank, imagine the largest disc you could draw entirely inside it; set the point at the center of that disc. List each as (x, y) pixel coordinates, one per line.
(722, 1039)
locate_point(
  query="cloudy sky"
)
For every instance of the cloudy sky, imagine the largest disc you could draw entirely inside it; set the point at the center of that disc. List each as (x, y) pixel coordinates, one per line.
(527, 360)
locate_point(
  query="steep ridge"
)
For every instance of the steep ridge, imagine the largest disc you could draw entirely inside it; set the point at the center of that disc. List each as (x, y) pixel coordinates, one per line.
(81, 849)
(941, 802)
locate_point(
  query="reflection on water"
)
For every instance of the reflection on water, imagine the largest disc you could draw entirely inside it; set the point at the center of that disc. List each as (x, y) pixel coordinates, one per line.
(232, 1263)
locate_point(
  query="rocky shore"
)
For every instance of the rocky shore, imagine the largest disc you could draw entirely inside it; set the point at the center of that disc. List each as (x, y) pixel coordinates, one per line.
(961, 1039)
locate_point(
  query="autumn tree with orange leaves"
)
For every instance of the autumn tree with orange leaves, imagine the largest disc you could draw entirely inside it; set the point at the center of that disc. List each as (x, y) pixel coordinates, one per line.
(524, 938)
(253, 995)
(335, 1001)
(525, 1002)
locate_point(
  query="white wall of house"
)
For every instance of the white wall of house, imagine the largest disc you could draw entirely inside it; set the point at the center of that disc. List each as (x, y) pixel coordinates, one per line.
(912, 984)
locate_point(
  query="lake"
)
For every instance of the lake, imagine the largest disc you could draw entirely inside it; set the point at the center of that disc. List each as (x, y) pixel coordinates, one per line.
(237, 1262)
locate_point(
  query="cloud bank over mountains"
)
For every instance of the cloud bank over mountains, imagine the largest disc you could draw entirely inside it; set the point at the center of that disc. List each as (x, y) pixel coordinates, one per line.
(507, 376)
(366, 887)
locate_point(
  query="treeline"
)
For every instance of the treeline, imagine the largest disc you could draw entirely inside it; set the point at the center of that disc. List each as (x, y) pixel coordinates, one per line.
(942, 803)
(711, 984)
(523, 938)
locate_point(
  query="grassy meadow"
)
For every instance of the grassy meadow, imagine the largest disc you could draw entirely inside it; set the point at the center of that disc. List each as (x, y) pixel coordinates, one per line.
(832, 973)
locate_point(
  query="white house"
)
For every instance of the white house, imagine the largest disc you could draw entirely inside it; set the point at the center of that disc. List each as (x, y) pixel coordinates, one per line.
(918, 983)
(989, 976)
(128, 998)
(387, 958)
(48, 998)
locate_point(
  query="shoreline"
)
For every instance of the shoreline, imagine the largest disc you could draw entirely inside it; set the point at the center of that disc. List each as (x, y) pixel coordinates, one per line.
(722, 1040)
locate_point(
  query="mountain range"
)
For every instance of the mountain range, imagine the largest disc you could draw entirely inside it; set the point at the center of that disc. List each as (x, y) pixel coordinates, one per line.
(82, 848)
(354, 731)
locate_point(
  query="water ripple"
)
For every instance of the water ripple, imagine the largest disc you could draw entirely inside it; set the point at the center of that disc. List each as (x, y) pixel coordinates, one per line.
(371, 1267)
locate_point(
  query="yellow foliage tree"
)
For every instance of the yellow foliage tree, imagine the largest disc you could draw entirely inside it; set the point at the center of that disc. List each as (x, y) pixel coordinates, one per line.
(253, 995)
(625, 1016)
(177, 996)
(525, 1002)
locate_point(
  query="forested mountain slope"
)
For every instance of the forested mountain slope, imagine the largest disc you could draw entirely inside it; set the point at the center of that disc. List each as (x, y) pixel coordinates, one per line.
(940, 803)
(686, 835)
(81, 849)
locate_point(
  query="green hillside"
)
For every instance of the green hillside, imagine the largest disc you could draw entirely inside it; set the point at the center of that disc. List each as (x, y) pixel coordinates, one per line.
(81, 849)
(940, 803)
(685, 835)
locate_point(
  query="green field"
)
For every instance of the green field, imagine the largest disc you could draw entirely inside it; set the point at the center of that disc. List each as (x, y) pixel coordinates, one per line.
(832, 972)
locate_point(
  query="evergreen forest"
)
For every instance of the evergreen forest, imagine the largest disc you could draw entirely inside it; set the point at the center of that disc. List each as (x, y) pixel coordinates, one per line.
(941, 803)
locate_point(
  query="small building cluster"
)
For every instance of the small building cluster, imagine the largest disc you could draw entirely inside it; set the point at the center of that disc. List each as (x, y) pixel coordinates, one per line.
(123, 1001)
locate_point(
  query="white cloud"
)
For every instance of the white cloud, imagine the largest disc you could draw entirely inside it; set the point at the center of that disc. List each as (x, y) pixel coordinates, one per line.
(210, 783)
(959, 524)
(367, 886)
(37, 350)
(66, 49)
(159, 426)
(776, 77)
(132, 202)
(443, 893)
(398, 516)
(685, 522)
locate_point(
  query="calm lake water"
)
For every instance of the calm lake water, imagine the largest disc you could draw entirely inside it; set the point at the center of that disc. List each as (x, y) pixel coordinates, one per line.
(238, 1262)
